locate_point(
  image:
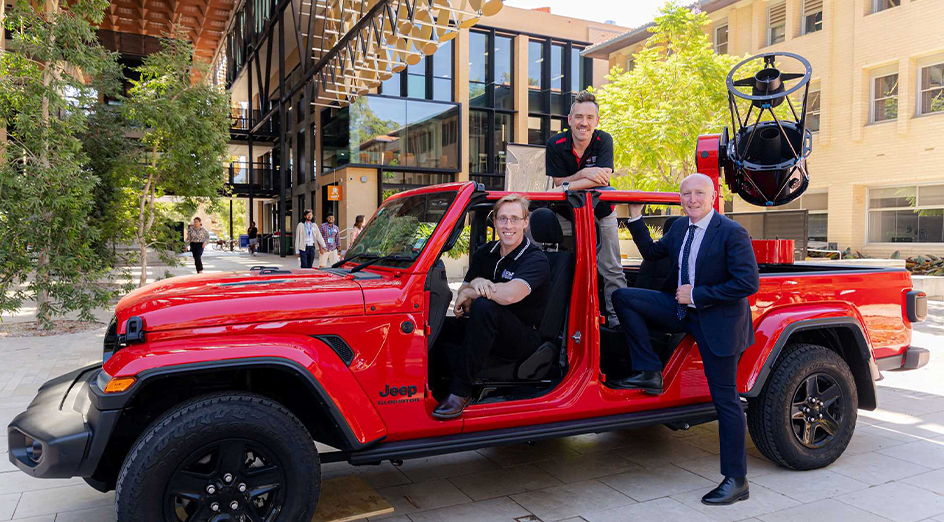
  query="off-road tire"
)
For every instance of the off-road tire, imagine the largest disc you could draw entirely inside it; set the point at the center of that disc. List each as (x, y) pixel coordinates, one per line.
(166, 443)
(769, 414)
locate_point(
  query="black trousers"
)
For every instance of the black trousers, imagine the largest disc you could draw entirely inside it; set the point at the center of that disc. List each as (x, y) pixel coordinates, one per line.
(492, 329)
(197, 250)
(307, 256)
(637, 307)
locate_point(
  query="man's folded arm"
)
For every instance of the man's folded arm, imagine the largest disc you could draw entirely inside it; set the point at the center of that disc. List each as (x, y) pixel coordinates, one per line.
(744, 280)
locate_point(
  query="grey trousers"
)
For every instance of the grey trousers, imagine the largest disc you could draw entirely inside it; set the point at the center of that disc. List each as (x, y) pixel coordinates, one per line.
(609, 262)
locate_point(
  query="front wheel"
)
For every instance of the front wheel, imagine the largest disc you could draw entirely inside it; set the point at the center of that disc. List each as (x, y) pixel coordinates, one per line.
(231, 456)
(806, 412)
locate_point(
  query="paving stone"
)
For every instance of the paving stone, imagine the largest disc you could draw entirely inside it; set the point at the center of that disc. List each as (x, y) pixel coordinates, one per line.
(762, 501)
(710, 467)
(809, 486)
(8, 505)
(875, 468)
(517, 454)
(504, 482)
(651, 483)
(423, 496)
(593, 442)
(931, 481)
(867, 441)
(829, 509)
(578, 468)
(18, 482)
(383, 475)
(897, 501)
(445, 466)
(660, 454)
(662, 509)
(46, 501)
(929, 453)
(100, 514)
(495, 510)
(571, 500)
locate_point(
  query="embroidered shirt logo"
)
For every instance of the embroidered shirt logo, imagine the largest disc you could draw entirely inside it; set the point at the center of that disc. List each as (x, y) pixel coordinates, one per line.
(507, 275)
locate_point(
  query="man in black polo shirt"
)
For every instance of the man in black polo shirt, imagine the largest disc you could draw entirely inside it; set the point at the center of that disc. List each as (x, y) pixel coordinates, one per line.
(582, 158)
(504, 295)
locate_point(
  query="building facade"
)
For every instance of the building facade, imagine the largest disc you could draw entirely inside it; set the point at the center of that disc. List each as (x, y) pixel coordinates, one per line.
(876, 109)
(449, 117)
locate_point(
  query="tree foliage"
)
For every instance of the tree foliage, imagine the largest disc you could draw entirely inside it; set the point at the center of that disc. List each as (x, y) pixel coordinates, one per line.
(50, 74)
(184, 125)
(675, 93)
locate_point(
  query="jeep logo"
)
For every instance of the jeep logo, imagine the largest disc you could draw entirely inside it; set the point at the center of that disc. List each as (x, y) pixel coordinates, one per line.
(403, 391)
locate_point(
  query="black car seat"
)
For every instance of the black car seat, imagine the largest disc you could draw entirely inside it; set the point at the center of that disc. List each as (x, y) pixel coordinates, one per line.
(440, 296)
(551, 354)
(653, 274)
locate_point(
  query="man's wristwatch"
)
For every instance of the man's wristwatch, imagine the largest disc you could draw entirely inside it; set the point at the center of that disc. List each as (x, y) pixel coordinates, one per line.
(566, 186)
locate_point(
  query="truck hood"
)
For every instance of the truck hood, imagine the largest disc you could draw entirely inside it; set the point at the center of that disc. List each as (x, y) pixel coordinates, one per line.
(212, 300)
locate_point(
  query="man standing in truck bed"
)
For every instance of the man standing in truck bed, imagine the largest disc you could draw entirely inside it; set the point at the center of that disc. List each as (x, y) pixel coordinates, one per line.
(582, 158)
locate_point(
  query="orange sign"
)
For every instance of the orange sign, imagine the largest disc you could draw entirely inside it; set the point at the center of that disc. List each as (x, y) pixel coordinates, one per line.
(334, 193)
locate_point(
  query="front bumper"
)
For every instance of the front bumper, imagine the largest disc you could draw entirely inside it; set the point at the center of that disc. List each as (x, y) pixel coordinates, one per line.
(913, 358)
(61, 434)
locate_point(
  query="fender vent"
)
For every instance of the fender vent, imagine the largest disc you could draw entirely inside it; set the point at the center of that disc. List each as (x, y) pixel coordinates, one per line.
(339, 346)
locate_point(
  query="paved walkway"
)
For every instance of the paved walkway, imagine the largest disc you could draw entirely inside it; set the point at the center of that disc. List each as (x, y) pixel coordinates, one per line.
(892, 470)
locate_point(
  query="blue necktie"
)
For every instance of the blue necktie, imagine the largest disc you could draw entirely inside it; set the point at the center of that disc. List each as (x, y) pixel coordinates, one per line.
(686, 252)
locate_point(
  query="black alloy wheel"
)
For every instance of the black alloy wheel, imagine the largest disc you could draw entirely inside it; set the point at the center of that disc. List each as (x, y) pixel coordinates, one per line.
(228, 480)
(222, 457)
(817, 410)
(805, 414)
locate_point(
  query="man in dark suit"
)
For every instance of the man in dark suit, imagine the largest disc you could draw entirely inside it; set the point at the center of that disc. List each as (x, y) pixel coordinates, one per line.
(714, 273)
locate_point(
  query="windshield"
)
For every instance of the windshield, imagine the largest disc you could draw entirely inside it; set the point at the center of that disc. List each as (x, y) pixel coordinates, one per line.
(401, 228)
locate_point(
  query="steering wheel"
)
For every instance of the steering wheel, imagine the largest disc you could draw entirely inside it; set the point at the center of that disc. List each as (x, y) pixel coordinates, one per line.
(767, 83)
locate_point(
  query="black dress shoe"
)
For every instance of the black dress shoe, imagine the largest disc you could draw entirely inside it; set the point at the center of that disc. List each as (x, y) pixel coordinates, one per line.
(451, 407)
(650, 382)
(729, 491)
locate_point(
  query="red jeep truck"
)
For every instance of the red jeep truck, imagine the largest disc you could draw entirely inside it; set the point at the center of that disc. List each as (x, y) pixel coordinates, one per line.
(213, 387)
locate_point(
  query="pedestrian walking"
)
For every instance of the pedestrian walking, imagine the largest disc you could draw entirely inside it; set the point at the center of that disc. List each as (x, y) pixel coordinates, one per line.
(307, 238)
(358, 226)
(197, 236)
(330, 233)
(253, 233)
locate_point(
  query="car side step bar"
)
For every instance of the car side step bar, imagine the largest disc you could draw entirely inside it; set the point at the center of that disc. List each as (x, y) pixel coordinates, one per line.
(399, 450)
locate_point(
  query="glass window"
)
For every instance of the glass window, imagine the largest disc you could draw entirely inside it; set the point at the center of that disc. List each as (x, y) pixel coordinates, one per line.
(776, 23)
(416, 80)
(377, 130)
(881, 5)
(432, 135)
(721, 39)
(812, 16)
(892, 197)
(818, 225)
(885, 98)
(478, 56)
(391, 86)
(504, 96)
(906, 214)
(931, 98)
(478, 141)
(557, 79)
(534, 131)
(442, 72)
(812, 110)
(576, 70)
(535, 83)
(501, 136)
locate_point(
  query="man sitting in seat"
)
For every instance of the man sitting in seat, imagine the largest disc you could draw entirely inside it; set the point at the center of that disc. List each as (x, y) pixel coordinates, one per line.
(504, 294)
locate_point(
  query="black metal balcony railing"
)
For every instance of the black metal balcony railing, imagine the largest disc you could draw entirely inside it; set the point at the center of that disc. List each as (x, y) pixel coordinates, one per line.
(242, 122)
(265, 178)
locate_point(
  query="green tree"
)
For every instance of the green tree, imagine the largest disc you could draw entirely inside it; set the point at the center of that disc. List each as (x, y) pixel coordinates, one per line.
(675, 93)
(184, 124)
(48, 77)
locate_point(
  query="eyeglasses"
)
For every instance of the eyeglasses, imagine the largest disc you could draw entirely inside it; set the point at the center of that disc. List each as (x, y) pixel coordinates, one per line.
(514, 220)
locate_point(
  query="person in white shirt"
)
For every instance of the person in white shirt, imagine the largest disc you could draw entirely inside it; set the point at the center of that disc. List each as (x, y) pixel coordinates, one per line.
(307, 238)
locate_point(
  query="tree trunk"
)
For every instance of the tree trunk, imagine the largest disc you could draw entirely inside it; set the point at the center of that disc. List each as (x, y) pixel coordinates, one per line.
(141, 236)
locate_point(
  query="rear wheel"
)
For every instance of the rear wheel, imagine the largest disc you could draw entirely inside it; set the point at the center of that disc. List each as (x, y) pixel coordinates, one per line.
(222, 457)
(806, 412)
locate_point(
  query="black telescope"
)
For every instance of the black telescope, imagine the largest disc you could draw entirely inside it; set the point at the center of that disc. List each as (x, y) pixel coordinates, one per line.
(765, 160)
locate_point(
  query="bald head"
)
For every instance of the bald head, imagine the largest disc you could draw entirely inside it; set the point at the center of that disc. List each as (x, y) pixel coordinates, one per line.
(698, 195)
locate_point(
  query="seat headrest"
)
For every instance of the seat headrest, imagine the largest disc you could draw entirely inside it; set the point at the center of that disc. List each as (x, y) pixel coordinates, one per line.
(545, 228)
(668, 223)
